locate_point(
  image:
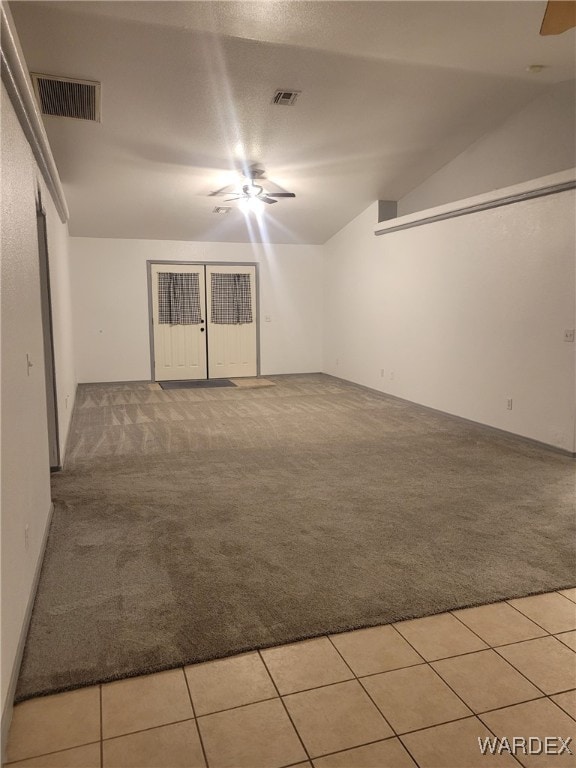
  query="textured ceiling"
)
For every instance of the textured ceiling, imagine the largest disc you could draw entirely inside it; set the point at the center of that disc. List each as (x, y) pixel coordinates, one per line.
(390, 93)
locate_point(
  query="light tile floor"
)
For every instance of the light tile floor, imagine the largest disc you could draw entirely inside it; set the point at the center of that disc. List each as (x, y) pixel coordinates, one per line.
(415, 693)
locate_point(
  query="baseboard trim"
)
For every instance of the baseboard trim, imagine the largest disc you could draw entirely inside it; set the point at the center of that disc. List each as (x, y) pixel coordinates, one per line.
(480, 424)
(9, 705)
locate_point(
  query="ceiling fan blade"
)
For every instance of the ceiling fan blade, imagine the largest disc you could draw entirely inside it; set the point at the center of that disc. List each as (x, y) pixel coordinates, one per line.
(280, 194)
(220, 191)
(254, 172)
(560, 15)
(266, 199)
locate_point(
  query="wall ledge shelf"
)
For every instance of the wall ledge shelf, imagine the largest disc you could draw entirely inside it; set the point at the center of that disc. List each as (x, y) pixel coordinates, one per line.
(546, 185)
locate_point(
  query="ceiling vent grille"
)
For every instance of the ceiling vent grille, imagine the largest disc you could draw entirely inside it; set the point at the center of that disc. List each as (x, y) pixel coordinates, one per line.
(66, 97)
(286, 98)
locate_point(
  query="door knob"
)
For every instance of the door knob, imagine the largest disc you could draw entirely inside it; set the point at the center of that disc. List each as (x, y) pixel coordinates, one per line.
(201, 330)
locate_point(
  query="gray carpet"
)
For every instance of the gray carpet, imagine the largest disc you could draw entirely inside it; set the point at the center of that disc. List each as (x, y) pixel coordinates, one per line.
(193, 524)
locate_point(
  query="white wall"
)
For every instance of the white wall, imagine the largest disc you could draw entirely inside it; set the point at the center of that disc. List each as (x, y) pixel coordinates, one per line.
(25, 460)
(110, 303)
(462, 314)
(536, 141)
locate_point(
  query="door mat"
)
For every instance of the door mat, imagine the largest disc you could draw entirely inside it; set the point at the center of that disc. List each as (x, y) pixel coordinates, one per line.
(196, 384)
(250, 383)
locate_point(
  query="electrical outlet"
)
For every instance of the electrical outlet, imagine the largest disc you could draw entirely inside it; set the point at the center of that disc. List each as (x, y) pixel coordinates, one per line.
(26, 537)
(381, 373)
(509, 404)
(337, 362)
(569, 334)
(391, 376)
(267, 319)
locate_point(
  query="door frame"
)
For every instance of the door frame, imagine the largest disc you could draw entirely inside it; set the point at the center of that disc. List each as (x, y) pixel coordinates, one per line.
(170, 262)
(48, 337)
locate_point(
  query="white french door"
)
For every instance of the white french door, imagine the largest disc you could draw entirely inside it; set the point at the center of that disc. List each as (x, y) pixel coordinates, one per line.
(231, 346)
(179, 350)
(219, 339)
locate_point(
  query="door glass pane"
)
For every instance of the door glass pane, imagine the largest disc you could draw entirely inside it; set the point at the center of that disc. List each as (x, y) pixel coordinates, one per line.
(179, 298)
(231, 299)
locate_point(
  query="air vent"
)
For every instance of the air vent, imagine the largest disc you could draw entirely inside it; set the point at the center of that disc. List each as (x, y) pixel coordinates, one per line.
(287, 98)
(66, 97)
(222, 209)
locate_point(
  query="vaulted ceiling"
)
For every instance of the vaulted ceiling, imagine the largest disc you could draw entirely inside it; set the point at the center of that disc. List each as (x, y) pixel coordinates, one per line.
(390, 92)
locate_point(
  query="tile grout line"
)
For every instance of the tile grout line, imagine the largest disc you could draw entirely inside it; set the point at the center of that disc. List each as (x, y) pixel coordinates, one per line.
(196, 723)
(495, 649)
(286, 709)
(559, 592)
(52, 752)
(505, 645)
(101, 728)
(474, 714)
(144, 730)
(394, 669)
(236, 706)
(520, 673)
(413, 757)
(395, 735)
(528, 701)
(398, 735)
(429, 664)
(516, 642)
(528, 617)
(439, 725)
(364, 689)
(558, 636)
(549, 696)
(491, 730)
(358, 746)
(499, 645)
(359, 679)
(395, 628)
(490, 647)
(524, 701)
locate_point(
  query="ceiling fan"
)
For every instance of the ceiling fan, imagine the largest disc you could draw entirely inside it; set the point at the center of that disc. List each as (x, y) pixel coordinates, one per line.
(252, 189)
(560, 15)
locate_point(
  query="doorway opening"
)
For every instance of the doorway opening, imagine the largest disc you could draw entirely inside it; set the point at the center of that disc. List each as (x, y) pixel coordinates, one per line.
(203, 321)
(48, 337)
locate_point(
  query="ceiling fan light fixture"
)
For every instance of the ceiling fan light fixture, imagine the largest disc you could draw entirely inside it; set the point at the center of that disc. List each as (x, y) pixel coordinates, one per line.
(252, 190)
(251, 205)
